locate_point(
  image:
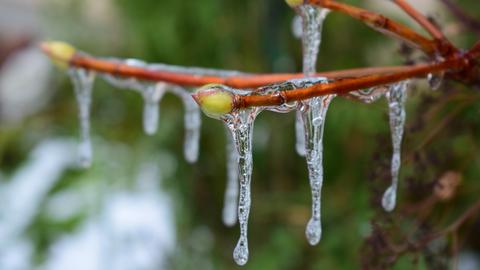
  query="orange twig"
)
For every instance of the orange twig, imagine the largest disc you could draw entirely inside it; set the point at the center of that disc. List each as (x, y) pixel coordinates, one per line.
(248, 81)
(346, 85)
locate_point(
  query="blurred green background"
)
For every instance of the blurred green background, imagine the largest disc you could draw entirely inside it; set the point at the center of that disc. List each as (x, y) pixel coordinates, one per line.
(255, 36)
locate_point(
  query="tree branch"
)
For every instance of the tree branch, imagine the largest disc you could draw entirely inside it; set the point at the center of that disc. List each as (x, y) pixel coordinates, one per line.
(346, 85)
(81, 60)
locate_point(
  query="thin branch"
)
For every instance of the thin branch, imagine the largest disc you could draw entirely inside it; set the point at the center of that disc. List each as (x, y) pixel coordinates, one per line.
(381, 24)
(420, 19)
(82, 60)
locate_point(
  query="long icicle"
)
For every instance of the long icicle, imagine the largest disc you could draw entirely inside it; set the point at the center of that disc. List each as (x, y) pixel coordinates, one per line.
(240, 124)
(229, 213)
(83, 84)
(313, 113)
(396, 97)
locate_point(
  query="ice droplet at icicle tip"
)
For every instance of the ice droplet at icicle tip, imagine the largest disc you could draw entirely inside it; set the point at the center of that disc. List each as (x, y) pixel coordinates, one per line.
(83, 84)
(435, 80)
(396, 97)
(229, 213)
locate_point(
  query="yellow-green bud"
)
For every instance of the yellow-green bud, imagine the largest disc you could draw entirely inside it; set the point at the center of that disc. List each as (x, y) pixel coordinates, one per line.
(60, 52)
(294, 3)
(214, 100)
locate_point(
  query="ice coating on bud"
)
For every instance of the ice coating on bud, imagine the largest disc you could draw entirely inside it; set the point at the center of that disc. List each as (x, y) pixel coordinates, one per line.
(60, 52)
(214, 100)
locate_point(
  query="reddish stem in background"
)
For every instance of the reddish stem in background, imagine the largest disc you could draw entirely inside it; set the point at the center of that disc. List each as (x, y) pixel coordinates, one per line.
(381, 23)
(420, 19)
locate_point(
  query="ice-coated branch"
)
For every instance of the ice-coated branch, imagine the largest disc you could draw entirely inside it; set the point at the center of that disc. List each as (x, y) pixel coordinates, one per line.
(214, 101)
(64, 55)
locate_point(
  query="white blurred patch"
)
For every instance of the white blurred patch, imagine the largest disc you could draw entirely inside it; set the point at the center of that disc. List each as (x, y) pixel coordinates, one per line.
(24, 85)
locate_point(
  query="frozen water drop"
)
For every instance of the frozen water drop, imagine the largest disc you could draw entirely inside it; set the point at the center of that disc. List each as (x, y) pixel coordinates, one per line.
(317, 121)
(240, 253)
(435, 80)
(396, 97)
(389, 198)
(83, 84)
(313, 231)
(229, 214)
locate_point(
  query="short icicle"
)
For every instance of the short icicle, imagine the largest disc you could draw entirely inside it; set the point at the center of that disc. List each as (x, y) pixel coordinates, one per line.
(229, 213)
(396, 97)
(192, 122)
(152, 95)
(83, 84)
(240, 124)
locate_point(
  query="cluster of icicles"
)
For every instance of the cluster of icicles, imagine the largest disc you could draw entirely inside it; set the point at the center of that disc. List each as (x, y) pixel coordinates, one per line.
(309, 126)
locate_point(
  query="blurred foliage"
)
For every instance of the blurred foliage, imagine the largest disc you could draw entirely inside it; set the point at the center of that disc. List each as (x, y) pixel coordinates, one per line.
(442, 130)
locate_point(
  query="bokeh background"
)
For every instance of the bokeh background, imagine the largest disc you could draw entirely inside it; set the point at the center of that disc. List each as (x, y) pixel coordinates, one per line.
(141, 206)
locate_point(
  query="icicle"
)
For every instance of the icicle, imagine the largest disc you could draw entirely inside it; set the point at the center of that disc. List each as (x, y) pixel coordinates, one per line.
(240, 123)
(314, 113)
(152, 95)
(192, 123)
(229, 214)
(435, 80)
(312, 20)
(83, 84)
(396, 97)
